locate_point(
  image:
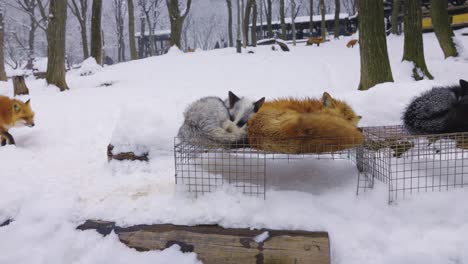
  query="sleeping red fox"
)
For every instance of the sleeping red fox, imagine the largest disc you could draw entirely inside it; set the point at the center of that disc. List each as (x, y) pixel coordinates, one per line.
(304, 126)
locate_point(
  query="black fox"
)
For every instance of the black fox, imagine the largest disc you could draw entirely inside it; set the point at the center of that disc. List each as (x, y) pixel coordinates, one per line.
(440, 110)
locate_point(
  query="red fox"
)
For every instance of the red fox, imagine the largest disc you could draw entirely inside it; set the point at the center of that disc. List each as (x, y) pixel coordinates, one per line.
(13, 113)
(351, 43)
(304, 126)
(312, 41)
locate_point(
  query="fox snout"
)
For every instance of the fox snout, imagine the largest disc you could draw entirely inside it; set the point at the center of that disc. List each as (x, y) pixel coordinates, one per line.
(30, 124)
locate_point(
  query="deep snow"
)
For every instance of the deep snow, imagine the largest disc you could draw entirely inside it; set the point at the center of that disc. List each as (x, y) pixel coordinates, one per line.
(58, 175)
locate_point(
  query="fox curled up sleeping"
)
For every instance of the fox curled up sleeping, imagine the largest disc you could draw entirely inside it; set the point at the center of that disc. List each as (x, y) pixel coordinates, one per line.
(212, 122)
(304, 126)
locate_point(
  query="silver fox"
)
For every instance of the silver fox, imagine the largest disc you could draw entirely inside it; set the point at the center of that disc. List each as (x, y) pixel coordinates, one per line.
(440, 110)
(216, 123)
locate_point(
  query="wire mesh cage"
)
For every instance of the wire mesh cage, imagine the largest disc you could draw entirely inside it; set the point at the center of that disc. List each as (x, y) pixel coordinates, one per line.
(203, 166)
(412, 163)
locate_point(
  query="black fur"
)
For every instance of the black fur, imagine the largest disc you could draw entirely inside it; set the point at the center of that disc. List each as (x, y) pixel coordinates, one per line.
(440, 110)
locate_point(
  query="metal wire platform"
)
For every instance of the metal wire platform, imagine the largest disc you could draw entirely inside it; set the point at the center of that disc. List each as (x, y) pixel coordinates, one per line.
(412, 163)
(203, 167)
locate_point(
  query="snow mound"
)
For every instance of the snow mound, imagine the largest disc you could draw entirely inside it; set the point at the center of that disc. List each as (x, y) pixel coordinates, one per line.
(174, 50)
(89, 67)
(139, 129)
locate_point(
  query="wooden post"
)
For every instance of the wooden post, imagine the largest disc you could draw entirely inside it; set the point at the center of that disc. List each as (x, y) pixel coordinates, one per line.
(19, 86)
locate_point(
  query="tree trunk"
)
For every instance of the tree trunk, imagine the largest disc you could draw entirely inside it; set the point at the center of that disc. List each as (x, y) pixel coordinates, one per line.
(177, 20)
(375, 66)
(337, 19)
(293, 18)
(413, 46)
(131, 30)
(268, 17)
(19, 86)
(395, 14)
(56, 44)
(96, 41)
(3, 76)
(230, 36)
(84, 39)
(152, 46)
(239, 26)
(311, 18)
(254, 23)
(283, 21)
(442, 29)
(248, 10)
(142, 43)
(323, 27)
(31, 39)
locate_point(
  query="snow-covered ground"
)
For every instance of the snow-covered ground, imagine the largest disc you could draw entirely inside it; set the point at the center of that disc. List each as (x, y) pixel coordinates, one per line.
(57, 175)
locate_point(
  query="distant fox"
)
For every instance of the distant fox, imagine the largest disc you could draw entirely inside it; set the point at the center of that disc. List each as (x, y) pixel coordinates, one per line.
(351, 43)
(302, 126)
(312, 41)
(440, 110)
(216, 123)
(13, 113)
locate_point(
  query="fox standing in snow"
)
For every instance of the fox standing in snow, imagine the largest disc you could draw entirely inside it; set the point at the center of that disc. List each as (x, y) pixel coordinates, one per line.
(217, 123)
(312, 41)
(351, 43)
(440, 110)
(13, 113)
(304, 126)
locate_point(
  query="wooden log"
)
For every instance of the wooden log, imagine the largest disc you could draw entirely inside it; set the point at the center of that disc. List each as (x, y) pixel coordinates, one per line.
(125, 155)
(39, 75)
(19, 86)
(214, 244)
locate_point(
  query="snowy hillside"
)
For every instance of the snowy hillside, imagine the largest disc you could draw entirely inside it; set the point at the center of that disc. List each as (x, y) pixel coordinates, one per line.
(57, 175)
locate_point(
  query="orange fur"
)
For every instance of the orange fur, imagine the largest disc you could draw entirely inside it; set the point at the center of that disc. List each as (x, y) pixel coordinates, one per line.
(304, 126)
(12, 113)
(351, 43)
(312, 41)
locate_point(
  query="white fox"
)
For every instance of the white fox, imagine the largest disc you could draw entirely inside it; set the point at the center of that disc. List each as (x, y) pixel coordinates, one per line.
(217, 123)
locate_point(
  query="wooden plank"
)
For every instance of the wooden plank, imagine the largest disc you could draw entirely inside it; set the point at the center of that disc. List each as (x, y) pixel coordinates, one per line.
(214, 244)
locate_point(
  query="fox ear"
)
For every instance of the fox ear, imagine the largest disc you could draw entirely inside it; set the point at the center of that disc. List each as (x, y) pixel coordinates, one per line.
(233, 99)
(258, 104)
(16, 107)
(28, 101)
(464, 85)
(327, 100)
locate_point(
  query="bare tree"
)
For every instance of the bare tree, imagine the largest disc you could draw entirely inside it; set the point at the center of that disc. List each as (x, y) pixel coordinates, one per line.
(268, 17)
(56, 44)
(79, 9)
(150, 10)
(442, 29)
(29, 7)
(248, 10)
(229, 8)
(413, 50)
(119, 11)
(131, 30)
(395, 15)
(323, 28)
(238, 20)
(3, 76)
(350, 6)
(96, 38)
(293, 21)
(375, 65)
(282, 20)
(311, 16)
(337, 19)
(177, 19)
(254, 23)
